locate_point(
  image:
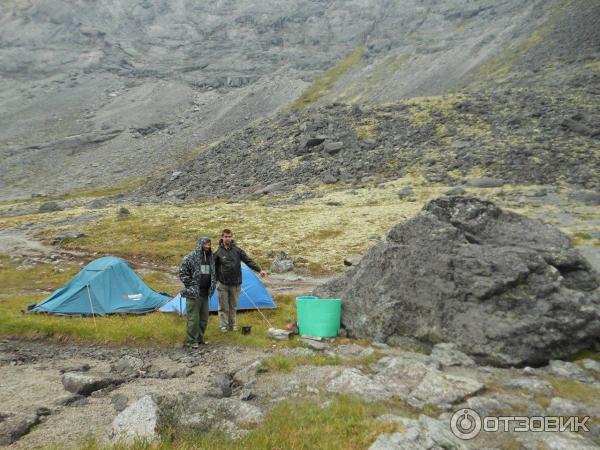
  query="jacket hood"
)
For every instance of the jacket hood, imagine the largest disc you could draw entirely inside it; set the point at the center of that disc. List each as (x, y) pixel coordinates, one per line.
(201, 242)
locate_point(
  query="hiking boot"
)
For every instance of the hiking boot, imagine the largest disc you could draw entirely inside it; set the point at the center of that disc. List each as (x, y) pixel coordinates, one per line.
(195, 345)
(234, 328)
(223, 329)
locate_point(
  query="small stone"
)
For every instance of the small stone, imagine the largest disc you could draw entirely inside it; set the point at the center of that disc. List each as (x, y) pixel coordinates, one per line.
(119, 402)
(282, 263)
(246, 394)
(128, 366)
(315, 345)
(279, 334)
(86, 383)
(350, 261)
(333, 147)
(486, 182)
(248, 374)
(43, 411)
(405, 192)
(456, 191)
(220, 386)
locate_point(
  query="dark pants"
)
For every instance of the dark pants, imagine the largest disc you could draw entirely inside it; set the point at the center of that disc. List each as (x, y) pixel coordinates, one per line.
(197, 319)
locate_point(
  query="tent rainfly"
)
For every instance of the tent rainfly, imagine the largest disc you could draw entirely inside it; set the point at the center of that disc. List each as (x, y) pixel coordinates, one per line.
(253, 295)
(106, 285)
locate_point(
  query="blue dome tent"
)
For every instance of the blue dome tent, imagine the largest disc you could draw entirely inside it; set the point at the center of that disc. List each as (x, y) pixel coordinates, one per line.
(253, 295)
(106, 285)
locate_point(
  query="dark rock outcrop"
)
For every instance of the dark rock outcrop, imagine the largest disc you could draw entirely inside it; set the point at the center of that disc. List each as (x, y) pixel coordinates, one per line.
(508, 290)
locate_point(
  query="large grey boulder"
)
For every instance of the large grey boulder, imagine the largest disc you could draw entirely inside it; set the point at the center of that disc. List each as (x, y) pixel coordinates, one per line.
(506, 289)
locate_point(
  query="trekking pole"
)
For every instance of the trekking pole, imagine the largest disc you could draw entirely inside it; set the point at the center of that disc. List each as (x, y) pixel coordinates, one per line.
(261, 313)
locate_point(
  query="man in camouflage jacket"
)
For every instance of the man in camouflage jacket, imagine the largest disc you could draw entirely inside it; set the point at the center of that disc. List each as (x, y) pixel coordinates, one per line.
(198, 275)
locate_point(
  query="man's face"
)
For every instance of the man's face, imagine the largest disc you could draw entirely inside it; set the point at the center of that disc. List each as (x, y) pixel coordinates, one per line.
(206, 246)
(227, 238)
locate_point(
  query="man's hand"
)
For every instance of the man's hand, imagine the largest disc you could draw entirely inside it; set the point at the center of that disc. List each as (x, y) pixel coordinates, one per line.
(262, 274)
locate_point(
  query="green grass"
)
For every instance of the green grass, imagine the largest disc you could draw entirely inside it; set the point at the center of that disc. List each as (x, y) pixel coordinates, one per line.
(347, 423)
(151, 329)
(22, 287)
(326, 81)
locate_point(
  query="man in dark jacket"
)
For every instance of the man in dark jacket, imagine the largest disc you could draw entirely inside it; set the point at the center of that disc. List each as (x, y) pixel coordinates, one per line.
(228, 258)
(198, 275)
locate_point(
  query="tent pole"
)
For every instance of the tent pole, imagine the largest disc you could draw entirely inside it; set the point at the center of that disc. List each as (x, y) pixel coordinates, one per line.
(261, 313)
(92, 307)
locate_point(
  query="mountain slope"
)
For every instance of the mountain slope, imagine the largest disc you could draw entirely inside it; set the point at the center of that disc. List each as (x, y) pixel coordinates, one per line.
(528, 115)
(95, 94)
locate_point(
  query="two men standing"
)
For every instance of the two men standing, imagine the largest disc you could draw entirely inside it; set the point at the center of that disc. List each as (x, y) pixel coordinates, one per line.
(201, 272)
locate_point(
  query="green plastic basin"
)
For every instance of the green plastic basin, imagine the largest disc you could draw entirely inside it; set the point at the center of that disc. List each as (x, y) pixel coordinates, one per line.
(318, 316)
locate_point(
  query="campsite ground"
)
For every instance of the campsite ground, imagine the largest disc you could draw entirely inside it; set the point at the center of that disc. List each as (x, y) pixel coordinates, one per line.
(38, 255)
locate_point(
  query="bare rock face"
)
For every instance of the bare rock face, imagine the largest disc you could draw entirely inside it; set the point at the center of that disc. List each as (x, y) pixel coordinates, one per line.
(506, 289)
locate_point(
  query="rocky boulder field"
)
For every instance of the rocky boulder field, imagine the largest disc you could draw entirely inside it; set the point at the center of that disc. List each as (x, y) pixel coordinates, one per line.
(122, 395)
